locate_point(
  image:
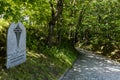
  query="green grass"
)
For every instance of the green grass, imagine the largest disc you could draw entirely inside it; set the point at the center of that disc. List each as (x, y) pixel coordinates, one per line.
(48, 65)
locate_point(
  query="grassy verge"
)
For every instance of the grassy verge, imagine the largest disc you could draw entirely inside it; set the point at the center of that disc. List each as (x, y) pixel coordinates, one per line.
(48, 65)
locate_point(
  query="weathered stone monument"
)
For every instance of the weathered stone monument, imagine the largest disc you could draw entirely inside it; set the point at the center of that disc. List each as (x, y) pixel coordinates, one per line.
(16, 45)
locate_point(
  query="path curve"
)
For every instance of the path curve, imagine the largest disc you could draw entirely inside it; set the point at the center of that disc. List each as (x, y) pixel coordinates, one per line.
(93, 67)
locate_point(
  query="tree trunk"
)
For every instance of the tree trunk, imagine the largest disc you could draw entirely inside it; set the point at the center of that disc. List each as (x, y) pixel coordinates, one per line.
(79, 25)
(80, 19)
(55, 17)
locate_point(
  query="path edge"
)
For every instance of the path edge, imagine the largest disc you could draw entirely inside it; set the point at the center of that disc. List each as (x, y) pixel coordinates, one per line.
(64, 74)
(66, 71)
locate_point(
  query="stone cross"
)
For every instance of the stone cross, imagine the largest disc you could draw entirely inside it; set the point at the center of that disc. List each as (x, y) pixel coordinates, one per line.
(17, 31)
(16, 45)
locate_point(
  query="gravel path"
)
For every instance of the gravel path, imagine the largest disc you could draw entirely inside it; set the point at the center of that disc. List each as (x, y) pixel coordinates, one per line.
(93, 67)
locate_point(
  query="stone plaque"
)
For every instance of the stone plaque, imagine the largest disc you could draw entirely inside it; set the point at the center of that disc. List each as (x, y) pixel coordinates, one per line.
(16, 45)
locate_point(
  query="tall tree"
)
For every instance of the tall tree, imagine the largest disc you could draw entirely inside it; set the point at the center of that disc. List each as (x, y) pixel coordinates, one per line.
(55, 15)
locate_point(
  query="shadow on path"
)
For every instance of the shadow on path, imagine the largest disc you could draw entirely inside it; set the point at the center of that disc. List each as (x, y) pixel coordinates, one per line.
(93, 67)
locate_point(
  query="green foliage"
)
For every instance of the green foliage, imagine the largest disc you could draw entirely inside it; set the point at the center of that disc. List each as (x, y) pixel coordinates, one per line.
(50, 64)
(100, 26)
(3, 31)
(96, 23)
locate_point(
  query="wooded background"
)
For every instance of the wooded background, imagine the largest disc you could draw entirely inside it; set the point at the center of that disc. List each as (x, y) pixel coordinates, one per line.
(90, 24)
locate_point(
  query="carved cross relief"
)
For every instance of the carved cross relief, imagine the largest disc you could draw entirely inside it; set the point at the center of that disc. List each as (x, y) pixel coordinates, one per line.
(18, 31)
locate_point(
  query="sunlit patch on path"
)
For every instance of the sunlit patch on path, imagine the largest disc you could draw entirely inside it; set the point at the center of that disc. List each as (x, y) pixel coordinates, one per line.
(93, 67)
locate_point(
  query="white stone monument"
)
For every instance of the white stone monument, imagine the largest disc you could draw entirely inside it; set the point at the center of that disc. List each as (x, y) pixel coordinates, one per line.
(16, 45)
